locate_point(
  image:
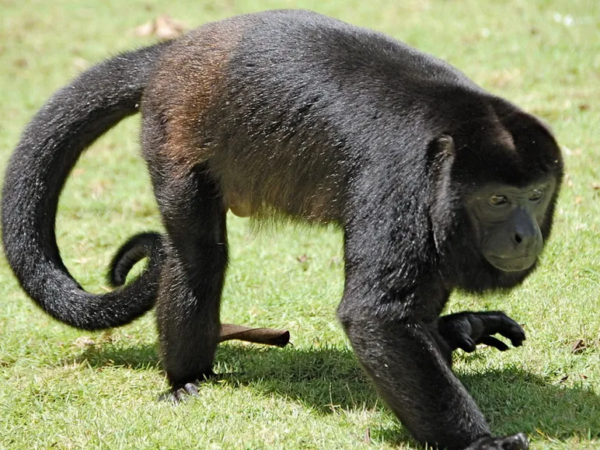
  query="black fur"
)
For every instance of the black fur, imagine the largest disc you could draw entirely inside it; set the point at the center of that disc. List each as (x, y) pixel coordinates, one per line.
(50, 146)
(138, 247)
(296, 114)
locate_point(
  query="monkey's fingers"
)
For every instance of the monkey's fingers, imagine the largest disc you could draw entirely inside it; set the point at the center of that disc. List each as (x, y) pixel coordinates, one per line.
(464, 342)
(497, 322)
(516, 442)
(266, 336)
(493, 342)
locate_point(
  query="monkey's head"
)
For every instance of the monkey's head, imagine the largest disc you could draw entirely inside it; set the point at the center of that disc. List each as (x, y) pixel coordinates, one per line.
(507, 222)
(495, 190)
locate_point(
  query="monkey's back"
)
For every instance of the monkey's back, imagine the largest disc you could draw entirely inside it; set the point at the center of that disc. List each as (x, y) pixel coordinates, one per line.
(306, 95)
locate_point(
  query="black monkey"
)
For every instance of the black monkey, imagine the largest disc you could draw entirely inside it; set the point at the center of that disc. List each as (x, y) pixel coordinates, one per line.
(435, 183)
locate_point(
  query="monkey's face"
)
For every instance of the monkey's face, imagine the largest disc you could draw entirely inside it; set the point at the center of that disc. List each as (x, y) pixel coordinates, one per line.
(507, 221)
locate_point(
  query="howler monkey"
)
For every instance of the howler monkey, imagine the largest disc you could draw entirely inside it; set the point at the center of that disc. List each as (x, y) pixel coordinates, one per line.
(436, 185)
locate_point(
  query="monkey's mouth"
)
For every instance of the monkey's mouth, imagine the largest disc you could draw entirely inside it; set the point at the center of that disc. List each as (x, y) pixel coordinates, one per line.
(511, 264)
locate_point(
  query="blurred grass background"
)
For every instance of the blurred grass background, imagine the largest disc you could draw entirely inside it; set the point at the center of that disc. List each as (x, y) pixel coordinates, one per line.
(65, 389)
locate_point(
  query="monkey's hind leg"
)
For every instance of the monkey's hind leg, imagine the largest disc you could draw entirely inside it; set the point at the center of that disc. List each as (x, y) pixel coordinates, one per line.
(192, 277)
(189, 298)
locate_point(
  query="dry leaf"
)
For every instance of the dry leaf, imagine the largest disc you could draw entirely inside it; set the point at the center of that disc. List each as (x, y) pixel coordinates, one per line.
(81, 64)
(267, 336)
(504, 77)
(578, 200)
(84, 341)
(595, 185)
(302, 258)
(578, 346)
(163, 27)
(167, 28)
(145, 30)
(568, 180)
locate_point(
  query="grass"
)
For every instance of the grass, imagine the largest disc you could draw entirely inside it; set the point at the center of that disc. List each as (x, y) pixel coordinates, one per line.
(59, 390)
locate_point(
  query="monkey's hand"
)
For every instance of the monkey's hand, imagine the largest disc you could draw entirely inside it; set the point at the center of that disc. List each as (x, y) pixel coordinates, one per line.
(514, 442)
(467, 329)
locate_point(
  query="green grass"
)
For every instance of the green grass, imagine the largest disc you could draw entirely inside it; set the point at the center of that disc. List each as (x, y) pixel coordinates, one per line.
(57, 392)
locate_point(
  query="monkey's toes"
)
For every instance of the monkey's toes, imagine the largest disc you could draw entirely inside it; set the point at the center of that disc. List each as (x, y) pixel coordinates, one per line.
(515, 442)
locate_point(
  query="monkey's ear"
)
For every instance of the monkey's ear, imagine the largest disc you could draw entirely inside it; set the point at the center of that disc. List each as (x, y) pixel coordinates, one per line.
(445, 145)
(440, 154)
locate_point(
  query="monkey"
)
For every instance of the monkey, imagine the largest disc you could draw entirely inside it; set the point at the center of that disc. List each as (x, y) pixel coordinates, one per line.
(435, 183)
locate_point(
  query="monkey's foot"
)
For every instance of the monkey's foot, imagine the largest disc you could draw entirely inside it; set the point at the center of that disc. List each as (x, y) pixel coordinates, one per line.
(183, 391)
(514, 442)
(181, 394)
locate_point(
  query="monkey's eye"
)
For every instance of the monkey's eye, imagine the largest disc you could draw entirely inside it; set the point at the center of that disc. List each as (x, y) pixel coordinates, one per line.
(536, 195)
(498, 200)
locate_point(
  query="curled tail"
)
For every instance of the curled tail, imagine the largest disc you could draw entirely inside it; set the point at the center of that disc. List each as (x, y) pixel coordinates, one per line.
(49, 148)
(138, 247)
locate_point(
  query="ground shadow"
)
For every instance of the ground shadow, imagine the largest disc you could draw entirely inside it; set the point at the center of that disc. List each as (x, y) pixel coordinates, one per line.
(329, 379)
(103, 355)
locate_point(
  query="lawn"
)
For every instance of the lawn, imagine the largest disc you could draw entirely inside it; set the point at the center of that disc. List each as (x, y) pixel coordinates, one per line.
(65, 389)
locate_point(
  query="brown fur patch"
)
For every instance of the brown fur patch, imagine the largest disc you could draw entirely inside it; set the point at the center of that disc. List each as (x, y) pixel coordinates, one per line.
(186, 85)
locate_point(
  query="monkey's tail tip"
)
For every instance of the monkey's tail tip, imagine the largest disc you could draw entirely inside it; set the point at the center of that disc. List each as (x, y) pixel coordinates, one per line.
(138, 247)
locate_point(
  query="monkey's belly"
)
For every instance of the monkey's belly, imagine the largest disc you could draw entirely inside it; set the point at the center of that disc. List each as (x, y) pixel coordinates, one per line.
(237, 205)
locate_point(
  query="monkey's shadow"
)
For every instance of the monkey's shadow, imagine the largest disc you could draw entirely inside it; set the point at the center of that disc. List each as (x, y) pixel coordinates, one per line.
(329, 379)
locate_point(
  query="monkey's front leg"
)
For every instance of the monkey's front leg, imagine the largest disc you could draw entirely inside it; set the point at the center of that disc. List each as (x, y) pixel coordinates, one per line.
(388, 324)
(413, 378)
(467, 329)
